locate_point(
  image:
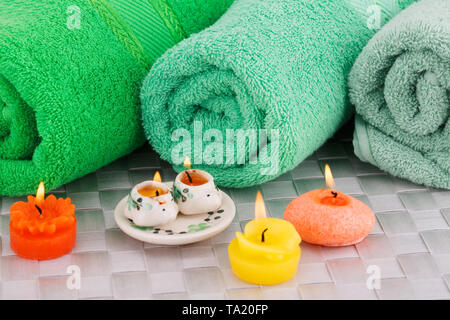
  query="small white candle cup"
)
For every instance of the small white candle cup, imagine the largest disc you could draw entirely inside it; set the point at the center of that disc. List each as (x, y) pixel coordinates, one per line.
(197, 199)
(151, 211)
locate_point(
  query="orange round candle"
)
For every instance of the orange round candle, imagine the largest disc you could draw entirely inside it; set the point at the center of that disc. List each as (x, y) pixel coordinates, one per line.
(330, 218)
(322, 219)
(42, 228)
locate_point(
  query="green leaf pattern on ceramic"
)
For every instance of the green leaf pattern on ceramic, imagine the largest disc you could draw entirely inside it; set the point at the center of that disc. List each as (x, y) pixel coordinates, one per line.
(131, 203)
(148, 206)
(134, 205)
(141, 227)
(197, 227)
(176, 193)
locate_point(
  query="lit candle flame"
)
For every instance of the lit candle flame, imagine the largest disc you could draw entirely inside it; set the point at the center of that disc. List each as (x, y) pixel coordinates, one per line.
(187, 162)
(260, 208)
(40, 194)
(329, 177)
(157, 176)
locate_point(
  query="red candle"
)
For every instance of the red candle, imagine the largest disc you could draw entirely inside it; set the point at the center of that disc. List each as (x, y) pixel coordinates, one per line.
(329, 217)
(42, 228)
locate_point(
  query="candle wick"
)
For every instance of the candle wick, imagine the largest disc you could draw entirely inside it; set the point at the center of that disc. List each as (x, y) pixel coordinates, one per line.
(38, 209)
(335, 194)
(262, 235)
(157, 193)
(189, 176)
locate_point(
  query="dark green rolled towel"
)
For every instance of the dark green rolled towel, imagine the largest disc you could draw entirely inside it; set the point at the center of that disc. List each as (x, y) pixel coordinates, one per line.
(70, 73)
(400, 85)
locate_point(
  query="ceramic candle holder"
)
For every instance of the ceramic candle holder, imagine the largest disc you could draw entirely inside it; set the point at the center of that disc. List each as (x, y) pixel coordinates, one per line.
(195, 192)
(151, 204)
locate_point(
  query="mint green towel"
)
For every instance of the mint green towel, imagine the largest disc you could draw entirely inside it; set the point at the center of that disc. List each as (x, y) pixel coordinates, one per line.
(265, 64)
(70, 74)
(400, 85)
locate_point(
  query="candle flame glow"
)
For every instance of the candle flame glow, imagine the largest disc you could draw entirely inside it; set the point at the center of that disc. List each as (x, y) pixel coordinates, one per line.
(157, 176)
(329, 177)
(187, 162)
(40, 194)
(260, 208)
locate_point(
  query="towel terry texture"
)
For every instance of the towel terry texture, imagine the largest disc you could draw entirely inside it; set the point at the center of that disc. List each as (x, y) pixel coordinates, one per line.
(400, 85)
(70, 74)
(265, 64)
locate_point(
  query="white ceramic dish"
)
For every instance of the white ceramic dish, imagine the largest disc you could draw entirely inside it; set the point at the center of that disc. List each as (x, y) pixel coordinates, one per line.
(185, 229)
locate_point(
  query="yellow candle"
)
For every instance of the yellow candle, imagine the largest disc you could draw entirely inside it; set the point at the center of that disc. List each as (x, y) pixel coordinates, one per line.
(267, 252)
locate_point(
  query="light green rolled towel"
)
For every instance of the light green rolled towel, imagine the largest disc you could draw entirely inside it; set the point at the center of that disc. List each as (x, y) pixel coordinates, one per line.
(278, 65)
(400, 85)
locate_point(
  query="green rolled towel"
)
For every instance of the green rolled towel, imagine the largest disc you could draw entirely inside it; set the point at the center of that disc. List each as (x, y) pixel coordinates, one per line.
(70, 74)
(278, 65)
(400, 85)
